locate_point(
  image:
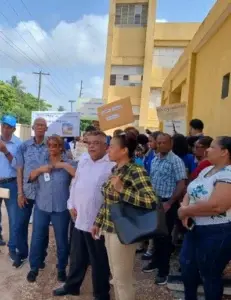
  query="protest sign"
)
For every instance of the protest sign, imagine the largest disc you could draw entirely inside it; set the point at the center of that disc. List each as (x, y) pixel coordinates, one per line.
(171, 112)
(115, 114)
(87, 107)
(60, 123)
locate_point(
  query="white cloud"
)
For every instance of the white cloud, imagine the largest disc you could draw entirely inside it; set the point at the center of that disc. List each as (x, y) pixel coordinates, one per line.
(94, 88)
(161, 21)
(80, 42)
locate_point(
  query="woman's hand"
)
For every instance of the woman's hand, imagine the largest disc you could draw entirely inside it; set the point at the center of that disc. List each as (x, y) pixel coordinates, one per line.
(117, 184)
(45, 169)
(182, 212)
(185, 222)
(95, 232)
(60, 165)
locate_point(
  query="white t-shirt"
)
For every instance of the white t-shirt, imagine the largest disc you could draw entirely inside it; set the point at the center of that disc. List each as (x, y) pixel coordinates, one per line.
(201, 189)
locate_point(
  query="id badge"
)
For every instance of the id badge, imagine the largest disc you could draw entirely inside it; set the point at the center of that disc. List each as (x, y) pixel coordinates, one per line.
(47, 177)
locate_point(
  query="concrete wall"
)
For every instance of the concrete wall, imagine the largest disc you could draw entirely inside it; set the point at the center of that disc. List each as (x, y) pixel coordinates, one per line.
(23, 131)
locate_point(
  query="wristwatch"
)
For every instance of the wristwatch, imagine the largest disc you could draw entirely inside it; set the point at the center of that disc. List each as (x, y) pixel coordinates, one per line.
(7, 153)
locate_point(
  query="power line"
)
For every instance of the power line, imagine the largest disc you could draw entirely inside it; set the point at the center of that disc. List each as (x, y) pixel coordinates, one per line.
(40, 74)
(40, 59)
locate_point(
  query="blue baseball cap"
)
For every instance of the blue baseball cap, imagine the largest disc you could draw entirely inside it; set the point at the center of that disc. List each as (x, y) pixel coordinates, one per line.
(9, 120)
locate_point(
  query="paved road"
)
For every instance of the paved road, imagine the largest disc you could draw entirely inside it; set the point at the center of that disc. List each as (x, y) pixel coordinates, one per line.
(13, 285)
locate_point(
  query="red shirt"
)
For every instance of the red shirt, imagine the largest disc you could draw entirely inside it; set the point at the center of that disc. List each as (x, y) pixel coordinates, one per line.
(201, 166)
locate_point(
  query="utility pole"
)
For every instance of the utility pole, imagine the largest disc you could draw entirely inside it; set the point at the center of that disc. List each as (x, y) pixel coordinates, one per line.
(40, 84)
(81, 89)
(71, 102)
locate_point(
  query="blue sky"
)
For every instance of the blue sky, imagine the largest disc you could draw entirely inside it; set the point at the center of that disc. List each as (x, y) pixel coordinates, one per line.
(68, 39)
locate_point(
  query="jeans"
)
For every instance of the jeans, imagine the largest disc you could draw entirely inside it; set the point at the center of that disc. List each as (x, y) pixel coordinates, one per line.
(205, 253)
(41, 222)
(0, 217)
(12, 211)
(24, 215)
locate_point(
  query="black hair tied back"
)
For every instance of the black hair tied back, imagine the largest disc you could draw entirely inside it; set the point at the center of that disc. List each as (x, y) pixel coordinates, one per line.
(128, 140)
(225, 143)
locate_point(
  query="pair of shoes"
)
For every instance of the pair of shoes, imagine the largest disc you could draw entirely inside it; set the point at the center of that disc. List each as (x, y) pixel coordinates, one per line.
(161, 280)
(12, 256)
(149, 268)
(19, 262)
(62, 291)
(2, 242)
(62, 276)
(146, 256)
(32, 276)
(140, 250)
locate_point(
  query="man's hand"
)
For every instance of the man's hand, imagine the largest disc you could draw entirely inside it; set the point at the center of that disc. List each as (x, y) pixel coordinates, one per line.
(182, 212)
(95, 232)
(73, 213)
(3, 148)
(117, 184)
(22, 201)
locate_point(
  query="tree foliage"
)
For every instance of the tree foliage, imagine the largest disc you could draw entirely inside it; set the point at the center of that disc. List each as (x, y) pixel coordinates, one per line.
(16, 101)
(61, 108)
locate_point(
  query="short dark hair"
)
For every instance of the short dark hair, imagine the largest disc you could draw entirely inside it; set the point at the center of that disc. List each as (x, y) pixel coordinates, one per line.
(128, 140)
(90, 128)
(205, 141)
(142, 139)
(180, 145)
(192, 140)
(165, 135)
(155, 134)
(132, 129)
(196, 124)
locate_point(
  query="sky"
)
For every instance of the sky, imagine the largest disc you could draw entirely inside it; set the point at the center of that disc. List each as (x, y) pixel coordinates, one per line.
(67, 39)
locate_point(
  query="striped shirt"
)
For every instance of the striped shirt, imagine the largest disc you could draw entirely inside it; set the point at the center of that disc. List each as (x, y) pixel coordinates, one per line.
(166, 172)
(137, 191)
(28, 157)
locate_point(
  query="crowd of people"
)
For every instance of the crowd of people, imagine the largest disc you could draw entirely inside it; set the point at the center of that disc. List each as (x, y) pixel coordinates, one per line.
(73, 185)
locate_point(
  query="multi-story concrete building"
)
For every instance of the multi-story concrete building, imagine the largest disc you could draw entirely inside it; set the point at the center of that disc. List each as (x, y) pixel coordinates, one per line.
(201, 77)
(140, 55)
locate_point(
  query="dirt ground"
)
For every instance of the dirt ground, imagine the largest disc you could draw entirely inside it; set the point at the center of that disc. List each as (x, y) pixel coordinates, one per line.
(13, 284)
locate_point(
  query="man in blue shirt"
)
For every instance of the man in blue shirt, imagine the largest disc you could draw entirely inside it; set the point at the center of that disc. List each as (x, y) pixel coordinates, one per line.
(9, 144)
(28, 158)
(168, 176)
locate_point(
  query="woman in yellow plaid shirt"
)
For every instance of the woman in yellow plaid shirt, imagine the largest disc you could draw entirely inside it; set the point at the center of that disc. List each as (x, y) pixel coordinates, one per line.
(130, 183)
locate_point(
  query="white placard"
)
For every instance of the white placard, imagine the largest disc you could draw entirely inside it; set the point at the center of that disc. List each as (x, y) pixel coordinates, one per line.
(65, 124)
(87, 107)
(179, 125)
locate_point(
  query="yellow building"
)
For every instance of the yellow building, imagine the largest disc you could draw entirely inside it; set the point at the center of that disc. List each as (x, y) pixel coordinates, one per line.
(201, 77)
(140, 55)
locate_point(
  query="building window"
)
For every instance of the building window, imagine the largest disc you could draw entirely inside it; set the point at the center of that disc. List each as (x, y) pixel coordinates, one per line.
(113, 80)
(126, 75)
(225, 86)
(131, 14)
(166, 57)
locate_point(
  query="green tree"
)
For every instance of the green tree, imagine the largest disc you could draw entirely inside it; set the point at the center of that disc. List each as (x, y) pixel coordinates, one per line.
(14, 100)
(16, 83)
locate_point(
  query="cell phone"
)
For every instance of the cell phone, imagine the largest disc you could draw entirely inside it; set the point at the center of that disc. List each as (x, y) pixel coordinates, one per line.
(190, 224)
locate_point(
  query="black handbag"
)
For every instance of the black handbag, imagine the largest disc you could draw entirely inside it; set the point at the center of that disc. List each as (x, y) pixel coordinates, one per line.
(136, 224)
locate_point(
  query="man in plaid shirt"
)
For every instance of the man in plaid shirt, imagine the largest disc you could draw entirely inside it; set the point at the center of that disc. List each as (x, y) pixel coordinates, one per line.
(168, 176)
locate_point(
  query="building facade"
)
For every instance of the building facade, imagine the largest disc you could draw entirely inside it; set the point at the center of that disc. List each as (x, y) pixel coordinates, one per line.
(140, 55)
(201, 77)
